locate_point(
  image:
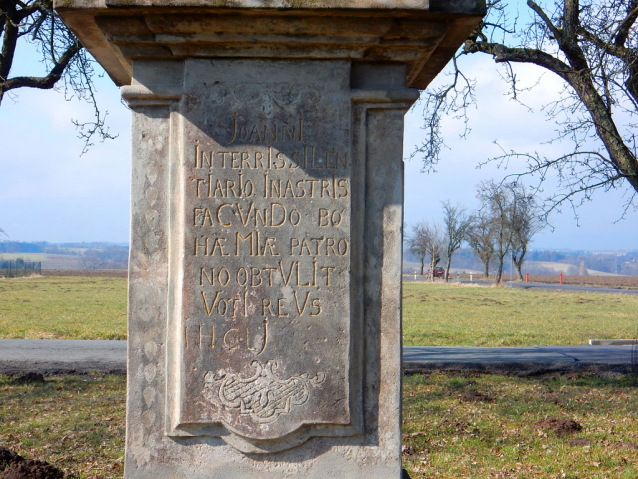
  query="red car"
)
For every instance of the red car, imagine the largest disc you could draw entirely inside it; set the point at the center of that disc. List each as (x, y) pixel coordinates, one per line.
(439, 272)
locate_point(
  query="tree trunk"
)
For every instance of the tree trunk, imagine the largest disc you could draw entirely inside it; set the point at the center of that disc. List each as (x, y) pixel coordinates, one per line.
(519, 260)
(499, 270)
(422, 265)
(487, 269)
(519, 267)
(447, 267)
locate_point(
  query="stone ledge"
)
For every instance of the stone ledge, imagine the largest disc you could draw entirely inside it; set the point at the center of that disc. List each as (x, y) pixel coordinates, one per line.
(117, 34)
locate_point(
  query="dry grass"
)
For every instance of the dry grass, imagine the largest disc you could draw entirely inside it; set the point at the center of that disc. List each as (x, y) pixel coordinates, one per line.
(474, 426)
(484, 427)
(442, 314)
(63, 308)
(75, 423)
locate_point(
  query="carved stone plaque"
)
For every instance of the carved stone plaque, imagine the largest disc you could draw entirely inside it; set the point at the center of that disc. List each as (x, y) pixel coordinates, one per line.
(261, 248)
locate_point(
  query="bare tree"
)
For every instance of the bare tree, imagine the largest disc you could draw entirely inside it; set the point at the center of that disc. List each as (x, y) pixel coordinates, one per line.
(498, 208)
(481, 238)
(63, 57)
(593, 47)
(417, 242)
(457, 223)
(435, 246)
(525, 221)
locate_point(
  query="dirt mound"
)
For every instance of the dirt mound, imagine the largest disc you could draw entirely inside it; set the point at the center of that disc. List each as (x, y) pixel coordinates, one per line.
(14, 466)
(32, 470)
(626, 445)
(475, 396)
(561, 427)
(29, 378)
(7, 458)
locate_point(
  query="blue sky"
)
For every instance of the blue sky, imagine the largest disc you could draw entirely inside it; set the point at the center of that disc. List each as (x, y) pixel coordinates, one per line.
(49, 192)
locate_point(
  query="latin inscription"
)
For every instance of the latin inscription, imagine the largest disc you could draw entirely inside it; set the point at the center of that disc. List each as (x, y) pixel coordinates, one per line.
(240, 199)
(266, 248)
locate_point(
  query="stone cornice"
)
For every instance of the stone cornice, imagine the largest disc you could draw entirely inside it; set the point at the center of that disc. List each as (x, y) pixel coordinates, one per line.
(118, 33)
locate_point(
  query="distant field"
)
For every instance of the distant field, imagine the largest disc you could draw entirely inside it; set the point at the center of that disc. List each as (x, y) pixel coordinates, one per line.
(606, 281)
(24, 256)
(87, 273)
(442, 314)
(63, 308)
(49, 261)
(627, 282)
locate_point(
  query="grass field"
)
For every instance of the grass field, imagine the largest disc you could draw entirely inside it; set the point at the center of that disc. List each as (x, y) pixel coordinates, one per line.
(486, 427)
(63, 308)
(433, 314)
(442, 314)
(75, 423)
(479, 426)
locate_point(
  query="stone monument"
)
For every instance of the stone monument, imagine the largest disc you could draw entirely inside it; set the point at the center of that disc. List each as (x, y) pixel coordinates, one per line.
(266, 225)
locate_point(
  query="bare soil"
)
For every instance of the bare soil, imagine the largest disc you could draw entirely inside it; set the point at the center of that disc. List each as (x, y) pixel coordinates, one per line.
(90, 273)
(14, 466)
(561, 427)
(626, 445)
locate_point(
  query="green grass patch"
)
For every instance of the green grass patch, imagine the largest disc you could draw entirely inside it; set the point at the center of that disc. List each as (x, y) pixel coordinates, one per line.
(75, 423)
(448, 433)
(464, 315)
(63, 307)
(433, 314)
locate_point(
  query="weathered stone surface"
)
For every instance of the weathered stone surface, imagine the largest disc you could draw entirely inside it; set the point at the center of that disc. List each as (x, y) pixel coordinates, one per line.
(263, 251)
(265, 275)
(414, 33)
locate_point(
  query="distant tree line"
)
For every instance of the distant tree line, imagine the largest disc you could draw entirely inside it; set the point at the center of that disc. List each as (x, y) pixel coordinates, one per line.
(96, 255)
(504, 226)
(109, 258)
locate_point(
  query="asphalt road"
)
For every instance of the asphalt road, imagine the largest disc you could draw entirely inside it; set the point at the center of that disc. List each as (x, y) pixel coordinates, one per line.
(521, 360)
(18, 356)
(56, 356)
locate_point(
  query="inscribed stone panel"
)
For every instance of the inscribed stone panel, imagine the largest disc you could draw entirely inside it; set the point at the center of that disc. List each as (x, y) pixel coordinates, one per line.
(261, 248)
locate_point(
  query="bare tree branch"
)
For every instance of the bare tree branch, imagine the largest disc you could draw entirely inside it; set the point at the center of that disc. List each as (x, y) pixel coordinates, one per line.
(625, 26)
(48, 81)
(593, 48)
(65, 62)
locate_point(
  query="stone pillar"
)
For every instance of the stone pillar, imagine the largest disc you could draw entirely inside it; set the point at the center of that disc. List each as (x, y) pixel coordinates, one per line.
(266, 229)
